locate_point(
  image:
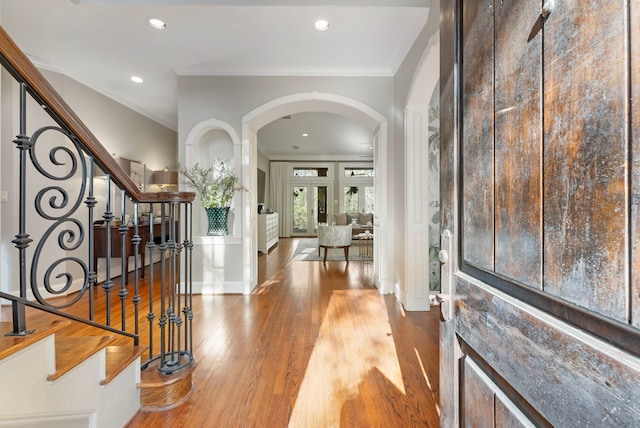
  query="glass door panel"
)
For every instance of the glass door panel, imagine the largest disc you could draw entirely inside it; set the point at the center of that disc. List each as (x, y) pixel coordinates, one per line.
(309, 208)
(351, 204)
(358, 198)
(369, 199)
(321, 201)
(300, 210)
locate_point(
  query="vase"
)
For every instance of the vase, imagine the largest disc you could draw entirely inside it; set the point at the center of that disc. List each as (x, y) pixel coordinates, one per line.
(217, 217)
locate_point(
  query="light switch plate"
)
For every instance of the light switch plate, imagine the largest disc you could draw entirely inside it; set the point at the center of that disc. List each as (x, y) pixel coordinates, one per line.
(4, 196)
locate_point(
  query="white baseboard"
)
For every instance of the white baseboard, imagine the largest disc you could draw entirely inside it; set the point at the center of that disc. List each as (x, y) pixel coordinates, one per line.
(228, 287)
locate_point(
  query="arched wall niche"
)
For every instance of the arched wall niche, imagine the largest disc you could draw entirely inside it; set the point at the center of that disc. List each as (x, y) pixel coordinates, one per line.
(209, 140)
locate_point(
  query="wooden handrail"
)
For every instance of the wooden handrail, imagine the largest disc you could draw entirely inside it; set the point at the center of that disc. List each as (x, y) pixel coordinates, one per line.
(23, 70)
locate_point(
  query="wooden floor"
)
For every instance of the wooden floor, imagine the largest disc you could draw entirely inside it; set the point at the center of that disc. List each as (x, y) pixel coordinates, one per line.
(314, 346)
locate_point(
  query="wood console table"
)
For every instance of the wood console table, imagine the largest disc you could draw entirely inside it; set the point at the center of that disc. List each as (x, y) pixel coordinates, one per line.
(100, 243)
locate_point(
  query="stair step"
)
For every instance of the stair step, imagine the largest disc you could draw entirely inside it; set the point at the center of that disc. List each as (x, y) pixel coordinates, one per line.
(71, 351)
(160, 392)
(119, 358)
(9, 345)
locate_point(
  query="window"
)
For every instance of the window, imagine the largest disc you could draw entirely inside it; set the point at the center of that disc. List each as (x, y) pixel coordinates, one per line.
(311, 172)
(358, 172)
(358, 198)
(356, 182)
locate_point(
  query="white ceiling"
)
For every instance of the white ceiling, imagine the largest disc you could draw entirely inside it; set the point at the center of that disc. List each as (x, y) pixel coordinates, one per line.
(102, 43)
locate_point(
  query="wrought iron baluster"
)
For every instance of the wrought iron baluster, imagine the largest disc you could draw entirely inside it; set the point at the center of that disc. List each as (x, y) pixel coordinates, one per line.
(175, 288)
(151, 315)
(136, 278)
(189, 268)
(124, 272)
(165, 314)
(22, 240)
(107, 285)
(91, 203)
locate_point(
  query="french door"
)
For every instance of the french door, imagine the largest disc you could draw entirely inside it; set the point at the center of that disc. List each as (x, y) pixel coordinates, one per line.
(310, 203)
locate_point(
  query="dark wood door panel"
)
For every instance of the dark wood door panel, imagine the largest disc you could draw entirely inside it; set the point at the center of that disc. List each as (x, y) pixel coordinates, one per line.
(485, 404)
(518, 142)
(542, 189)
(566, 376)
(585, 155)
(508, 416)
(477, 122)
(478, 397)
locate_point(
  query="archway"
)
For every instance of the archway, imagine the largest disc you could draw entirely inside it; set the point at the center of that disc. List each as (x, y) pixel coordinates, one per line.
(315, 102)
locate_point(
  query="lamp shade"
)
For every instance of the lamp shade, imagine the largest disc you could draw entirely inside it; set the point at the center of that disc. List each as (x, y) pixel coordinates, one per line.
(165, 178)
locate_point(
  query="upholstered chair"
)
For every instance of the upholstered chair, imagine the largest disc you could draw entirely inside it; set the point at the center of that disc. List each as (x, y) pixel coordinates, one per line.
(334, 237)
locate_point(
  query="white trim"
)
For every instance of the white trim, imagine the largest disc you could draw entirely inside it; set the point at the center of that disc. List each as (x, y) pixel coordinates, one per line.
(416, 180)
(210, 289)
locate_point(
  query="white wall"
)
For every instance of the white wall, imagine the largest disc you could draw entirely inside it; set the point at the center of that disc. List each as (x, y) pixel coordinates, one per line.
(229, 99)
(119, 129)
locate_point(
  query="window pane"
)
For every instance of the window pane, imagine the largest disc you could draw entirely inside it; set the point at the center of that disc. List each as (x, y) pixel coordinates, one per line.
(369, 200)
(305, 172)
(299, 209)
(311, 172)
(351, 199)
(358, 172)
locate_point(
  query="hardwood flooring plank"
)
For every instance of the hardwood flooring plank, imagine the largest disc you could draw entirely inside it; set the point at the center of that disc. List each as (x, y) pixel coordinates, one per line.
(315, 343)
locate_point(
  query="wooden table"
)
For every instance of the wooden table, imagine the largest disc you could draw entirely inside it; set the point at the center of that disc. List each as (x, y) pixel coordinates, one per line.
(100, 242)
(360, 228)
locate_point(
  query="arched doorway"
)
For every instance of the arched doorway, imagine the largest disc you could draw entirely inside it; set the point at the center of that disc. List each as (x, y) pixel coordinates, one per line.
(306, 102)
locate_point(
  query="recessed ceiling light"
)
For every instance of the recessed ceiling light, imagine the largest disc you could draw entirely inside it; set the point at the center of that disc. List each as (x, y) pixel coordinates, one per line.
(136, 79)
(158, 24)
(305, 135)
(322, 25)
(370, 147)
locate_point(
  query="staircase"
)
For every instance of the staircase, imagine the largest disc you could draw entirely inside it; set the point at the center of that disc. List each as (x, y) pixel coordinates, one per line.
(70, 381)
(74, 358)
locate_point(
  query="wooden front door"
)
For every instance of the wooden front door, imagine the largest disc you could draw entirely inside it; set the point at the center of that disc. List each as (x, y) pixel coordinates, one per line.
(540, 134)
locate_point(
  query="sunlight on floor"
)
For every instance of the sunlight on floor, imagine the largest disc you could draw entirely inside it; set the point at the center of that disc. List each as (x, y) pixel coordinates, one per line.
(426, 378)
(354, 339)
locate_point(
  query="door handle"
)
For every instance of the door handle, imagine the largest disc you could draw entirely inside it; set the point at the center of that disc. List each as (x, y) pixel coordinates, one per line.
(445, 298)
(443, 302)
